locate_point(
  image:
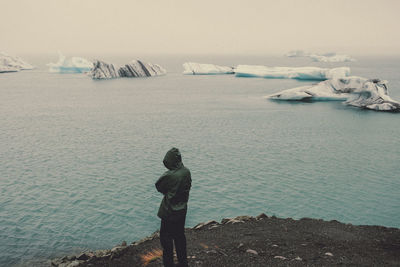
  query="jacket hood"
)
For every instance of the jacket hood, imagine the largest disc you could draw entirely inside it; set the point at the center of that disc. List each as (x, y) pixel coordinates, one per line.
(173, 159)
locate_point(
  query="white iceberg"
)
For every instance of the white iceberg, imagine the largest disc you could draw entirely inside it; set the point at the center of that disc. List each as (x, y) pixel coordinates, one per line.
(355, 91)
(12, 64)
(297, 53)
(326, 57)
(72, 65)
(301, 73)
(206, 69)
(136, 68)
(331, 58)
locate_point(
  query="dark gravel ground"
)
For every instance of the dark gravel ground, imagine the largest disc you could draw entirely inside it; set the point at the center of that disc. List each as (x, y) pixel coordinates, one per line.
(305, 242)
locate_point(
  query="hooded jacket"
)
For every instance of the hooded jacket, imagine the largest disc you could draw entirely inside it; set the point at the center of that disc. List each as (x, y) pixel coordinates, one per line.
(175, 185)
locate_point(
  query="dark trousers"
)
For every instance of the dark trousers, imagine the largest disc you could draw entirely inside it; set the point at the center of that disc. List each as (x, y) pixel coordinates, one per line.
(173, 232)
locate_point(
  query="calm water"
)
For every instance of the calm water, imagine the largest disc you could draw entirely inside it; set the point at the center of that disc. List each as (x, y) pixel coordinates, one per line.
(79, 157)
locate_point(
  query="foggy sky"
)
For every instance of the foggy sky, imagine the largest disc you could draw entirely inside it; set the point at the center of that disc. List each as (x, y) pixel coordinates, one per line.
(206, 26)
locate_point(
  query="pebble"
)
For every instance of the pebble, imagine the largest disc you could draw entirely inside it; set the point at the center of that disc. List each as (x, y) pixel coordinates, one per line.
(280, 257)
(329, 254)
(240, 245)
(298, 258)
(252, 251)
(274, 246)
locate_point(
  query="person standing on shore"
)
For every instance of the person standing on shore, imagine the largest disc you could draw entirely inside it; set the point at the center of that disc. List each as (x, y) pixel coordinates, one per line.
(175, 185)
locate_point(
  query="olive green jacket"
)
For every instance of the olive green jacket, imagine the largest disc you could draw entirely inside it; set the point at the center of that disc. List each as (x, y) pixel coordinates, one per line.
(175, 185)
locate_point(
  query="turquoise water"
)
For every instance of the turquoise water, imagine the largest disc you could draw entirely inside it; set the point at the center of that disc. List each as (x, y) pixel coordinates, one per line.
(79, 158)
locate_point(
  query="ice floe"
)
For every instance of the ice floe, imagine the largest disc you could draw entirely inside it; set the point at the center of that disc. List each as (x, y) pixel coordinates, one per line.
(205, 69)
(71, 65)
(135, 68)
(301, 73)
(355, 91)
(12, 64)
(325, 57)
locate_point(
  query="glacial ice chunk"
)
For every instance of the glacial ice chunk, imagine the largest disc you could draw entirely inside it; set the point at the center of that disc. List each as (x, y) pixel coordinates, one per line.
(206, 69)
(331, 58)
(355, 91)
(72, 65)
(135, 68)
(297, 53)
(103, 70)
(325, 57)
(301, 73)
(12, 64)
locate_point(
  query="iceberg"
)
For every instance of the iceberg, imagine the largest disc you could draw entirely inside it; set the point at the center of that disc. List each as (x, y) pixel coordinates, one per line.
(297, 53)
(326, 57)
(301, 73)
(331, 58)
(206, 69)
(135, 68)
(12, 64)
(102, 70)
(355, 91)
(72, 65)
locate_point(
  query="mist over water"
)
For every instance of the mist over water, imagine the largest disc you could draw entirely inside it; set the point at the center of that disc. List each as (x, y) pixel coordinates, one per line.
(79, 157)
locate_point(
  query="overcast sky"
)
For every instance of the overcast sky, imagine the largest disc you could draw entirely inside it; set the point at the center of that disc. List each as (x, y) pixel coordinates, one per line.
(200, 26)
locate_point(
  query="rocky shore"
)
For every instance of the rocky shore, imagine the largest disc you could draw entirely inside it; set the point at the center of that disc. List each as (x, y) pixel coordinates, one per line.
(261, 241)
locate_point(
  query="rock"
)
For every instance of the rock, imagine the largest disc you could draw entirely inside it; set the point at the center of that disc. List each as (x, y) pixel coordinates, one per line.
(240, 245)
(243, 218)
(123, 244)
(56, 262)
(280, 257)
(116, 249)
(232, 221)
(102, 253)
(298, 258)
(261, 216)
(74, 263)
(82, 256)
(204, 224)
(274, 246)
(251, 251)
(71, 258)
(225, 220)
(329, 254)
